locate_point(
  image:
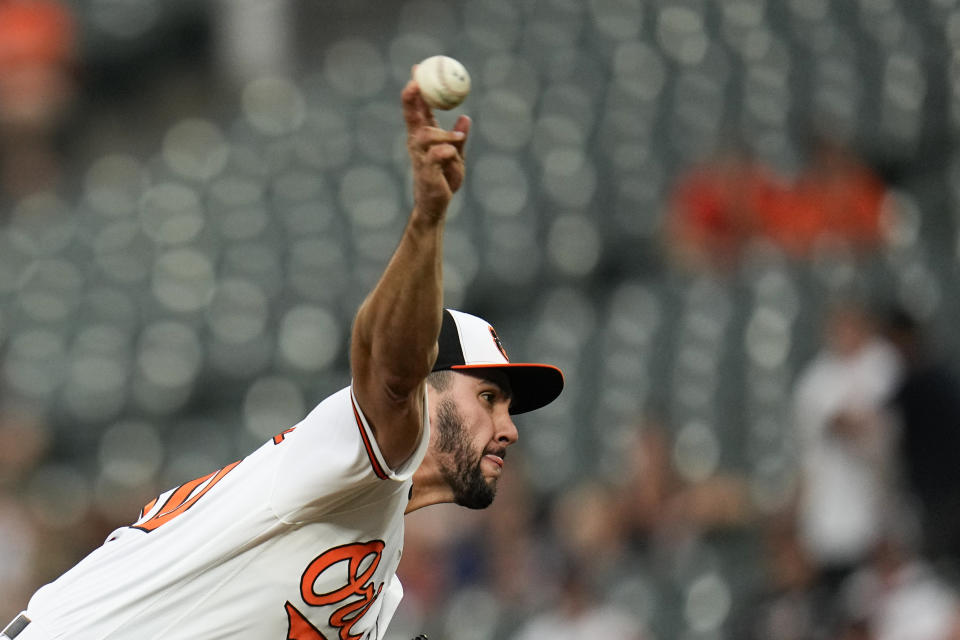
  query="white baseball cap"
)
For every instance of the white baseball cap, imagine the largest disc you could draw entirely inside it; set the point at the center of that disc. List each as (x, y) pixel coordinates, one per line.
(469, 342)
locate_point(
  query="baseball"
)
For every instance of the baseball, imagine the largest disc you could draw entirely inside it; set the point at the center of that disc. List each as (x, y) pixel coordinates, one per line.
(444, 82)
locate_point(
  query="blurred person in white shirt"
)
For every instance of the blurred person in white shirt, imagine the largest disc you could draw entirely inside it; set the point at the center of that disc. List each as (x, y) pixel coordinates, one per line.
(845, 442)
(580, 613)
(898, 596)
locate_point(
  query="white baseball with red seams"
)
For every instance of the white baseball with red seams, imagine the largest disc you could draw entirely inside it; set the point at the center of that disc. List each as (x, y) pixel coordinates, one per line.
(444, 82)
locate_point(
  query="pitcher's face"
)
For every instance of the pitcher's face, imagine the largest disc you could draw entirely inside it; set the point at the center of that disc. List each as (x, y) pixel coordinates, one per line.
(473, 428)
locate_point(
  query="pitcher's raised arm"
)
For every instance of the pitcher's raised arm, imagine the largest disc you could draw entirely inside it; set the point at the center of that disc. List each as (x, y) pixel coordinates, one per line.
(394, 341)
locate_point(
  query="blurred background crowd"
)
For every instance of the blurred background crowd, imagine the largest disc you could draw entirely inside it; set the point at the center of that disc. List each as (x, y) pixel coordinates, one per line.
(734, 224)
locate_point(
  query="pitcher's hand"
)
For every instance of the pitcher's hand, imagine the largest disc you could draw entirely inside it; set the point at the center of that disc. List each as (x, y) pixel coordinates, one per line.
(436, 155)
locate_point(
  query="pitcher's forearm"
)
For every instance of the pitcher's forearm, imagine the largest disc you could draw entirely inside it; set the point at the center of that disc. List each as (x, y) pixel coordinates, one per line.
(395, 332)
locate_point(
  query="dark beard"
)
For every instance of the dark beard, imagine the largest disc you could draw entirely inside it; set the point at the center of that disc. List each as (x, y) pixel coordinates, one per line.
(470, 488)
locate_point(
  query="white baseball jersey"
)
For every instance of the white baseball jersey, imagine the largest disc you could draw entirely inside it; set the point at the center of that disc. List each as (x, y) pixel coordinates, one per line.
(298, 541)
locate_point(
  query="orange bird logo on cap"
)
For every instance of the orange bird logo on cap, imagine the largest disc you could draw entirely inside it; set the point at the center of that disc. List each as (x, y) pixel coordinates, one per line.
(496, 341)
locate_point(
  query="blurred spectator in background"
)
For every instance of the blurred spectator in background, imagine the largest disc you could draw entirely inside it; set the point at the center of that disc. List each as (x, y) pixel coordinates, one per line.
(579, 613)
(927, 407)
(37, 57)
(786, 607)
(590, 530)
(896, 595)
(648, 483)
(511, 546)
(716, 208)
(657, 507)
(844, 442)
(837, 196)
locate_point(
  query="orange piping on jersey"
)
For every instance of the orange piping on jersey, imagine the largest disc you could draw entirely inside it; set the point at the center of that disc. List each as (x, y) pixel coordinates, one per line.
(298, 627)
(277, 439)
(147, 507)
(180, 500)
(377, 469)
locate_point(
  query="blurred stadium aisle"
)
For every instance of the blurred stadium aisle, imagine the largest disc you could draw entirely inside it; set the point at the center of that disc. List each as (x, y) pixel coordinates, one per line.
(181, 287)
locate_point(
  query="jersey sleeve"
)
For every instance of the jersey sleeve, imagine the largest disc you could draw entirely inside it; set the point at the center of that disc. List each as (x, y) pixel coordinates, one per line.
(330, 461)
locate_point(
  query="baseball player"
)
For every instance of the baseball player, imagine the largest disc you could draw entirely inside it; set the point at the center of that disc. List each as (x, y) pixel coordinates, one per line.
(301, 539)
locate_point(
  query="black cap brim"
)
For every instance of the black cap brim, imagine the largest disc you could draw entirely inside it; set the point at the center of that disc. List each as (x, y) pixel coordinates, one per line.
(532, 385)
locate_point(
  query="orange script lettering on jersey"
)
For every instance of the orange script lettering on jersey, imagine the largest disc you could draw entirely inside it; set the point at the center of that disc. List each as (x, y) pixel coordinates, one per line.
(357, 594)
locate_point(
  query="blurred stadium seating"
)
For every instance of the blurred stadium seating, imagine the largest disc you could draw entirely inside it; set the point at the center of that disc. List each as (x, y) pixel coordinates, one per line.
(188, 292)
